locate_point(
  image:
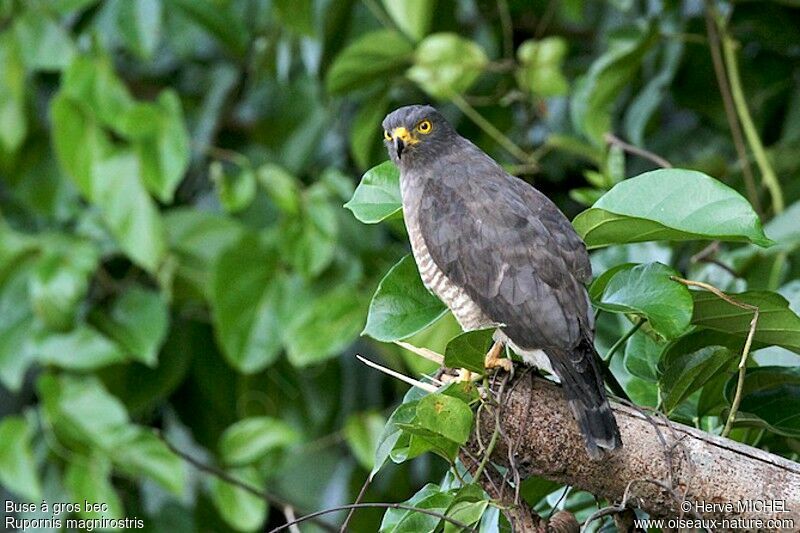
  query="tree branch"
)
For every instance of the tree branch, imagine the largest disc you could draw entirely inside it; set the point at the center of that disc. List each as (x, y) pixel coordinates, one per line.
(661, 466)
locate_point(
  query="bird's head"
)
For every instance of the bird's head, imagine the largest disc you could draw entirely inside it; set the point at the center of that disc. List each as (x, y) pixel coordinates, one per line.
(416, 134)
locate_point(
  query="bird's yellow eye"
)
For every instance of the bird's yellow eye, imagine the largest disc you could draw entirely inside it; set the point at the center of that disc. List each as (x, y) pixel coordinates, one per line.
(387, 135)
(425, 127)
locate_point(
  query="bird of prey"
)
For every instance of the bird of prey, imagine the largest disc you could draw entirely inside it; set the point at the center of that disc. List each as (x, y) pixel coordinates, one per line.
(500, 254)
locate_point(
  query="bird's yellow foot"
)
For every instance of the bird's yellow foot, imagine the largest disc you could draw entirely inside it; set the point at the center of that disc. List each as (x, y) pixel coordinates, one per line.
(494, 360)
(464, 375)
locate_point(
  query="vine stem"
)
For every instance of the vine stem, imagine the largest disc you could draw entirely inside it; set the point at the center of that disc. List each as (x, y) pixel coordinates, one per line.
(737, 397)
(488, 452)
(490, 130)
(622, 340)
(757, 147)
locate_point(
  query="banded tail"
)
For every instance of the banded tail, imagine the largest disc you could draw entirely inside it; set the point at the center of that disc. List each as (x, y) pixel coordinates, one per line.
(582, 380)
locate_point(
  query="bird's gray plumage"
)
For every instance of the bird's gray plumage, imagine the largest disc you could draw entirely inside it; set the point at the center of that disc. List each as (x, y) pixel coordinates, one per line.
(500, 253)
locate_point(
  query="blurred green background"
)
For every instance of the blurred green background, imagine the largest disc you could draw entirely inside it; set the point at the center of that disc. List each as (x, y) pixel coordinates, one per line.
(174, 253)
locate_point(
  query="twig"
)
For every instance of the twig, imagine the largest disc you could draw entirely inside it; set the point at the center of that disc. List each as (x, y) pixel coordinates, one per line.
(489, 450)
(232, 480)
(767, 173)
(411, 381)
(706, 255)
(622, 340)
(288, 513)
(430, 355)
(730, 111)
(507, 27)
(360, 496)
(490, 130)
(402, 506)
(737, 399)
(635, 150)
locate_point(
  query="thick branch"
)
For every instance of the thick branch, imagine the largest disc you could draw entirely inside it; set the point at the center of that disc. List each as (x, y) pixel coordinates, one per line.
(660, 463)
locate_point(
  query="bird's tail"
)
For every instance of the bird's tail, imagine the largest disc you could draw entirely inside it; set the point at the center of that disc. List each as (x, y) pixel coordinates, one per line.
(581, 378)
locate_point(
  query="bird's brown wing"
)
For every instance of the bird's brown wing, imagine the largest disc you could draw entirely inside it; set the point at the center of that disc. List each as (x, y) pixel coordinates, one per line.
(513, 252)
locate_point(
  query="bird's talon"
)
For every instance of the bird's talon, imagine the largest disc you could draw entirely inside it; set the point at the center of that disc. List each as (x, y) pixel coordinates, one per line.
(493, 359)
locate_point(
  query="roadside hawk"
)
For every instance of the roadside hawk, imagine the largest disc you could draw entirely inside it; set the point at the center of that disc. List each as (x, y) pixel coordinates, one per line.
(500, 254)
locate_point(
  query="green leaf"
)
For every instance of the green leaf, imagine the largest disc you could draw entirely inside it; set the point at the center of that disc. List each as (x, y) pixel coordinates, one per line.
(13, 122)
(246, 292)
(540, 66)
(401, 305)
(142, 453)
(374, 56)
(672, 205)
(648, 291)
(411, 16)
(468, 350)
(83, 348)
(446, 416)
(595, 93)
(392, 433)
(17, 468)
(242, 510)
(784, 229)
(236, 190)
(365, 133)
(310, 241)
(363, 432)
(281, 186)
(43, 42)
(88, 479)
(164, 151)
(138, 321)
(777, 324)
(446, 64)
(251, 439)
(81, 409)
(325, 327)
(466, 512)
(771, 394)
(296, 14)
(16, 317)
(139, 24)
(429, 497)
(642, 355)
(686, 372)
(377, 197)
(128, 210)
(60, 281)
(218, 21)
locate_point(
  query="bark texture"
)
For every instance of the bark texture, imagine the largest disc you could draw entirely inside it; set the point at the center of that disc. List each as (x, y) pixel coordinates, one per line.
(659, 464)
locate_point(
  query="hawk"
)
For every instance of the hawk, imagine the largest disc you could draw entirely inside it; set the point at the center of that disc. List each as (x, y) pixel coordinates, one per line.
(500, 254)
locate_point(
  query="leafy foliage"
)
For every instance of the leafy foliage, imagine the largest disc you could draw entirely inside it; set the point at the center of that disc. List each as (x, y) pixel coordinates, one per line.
(174, 253)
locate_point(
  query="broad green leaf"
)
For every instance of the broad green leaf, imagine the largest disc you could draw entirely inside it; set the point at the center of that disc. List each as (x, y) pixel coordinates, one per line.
(377, 197)
(17, 468)
(468, 350)
(401, 305)
(281, 186)
(365, 133)
(784, 228)
(642, 355)
(428, 497)
(670, 205)
(771, 394)
(540, 66)
(218, 20)
(466, 512)
(82, 348)
(310, 241)
(246, 292)
(392, 433)
(686, 372)
(43, 42)
(296, 14)
(595, 93)
(236, 190)
(60, 281)
(374, 56)
(446, 64)
(80, 408)
(139, 24)
(777, 324)
(411, 16)
(648, 291)
(138, 321)
(93, 85)
(142, 453)
(325, 327)
(363, 432)
(446, 416)
(130, 213)
(13, 122)
(242, 510)
(88, 479)
(16, 317)
(250, 439)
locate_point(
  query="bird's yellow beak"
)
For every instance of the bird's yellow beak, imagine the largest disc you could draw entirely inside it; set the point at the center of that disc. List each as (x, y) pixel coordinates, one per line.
(404, 135)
